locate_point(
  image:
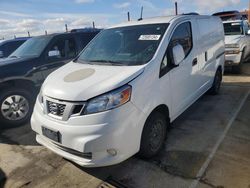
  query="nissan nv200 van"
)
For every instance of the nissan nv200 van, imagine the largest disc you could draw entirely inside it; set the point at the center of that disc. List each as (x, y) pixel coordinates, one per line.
(118, 97)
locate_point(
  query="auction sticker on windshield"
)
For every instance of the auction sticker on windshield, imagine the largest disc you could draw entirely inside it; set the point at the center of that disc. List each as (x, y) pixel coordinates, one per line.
(149, 37)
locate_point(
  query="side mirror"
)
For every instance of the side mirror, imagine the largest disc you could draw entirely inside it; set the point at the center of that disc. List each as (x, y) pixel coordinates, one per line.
(248, 32)
(1, 54)
(178, 54)
(54, 53)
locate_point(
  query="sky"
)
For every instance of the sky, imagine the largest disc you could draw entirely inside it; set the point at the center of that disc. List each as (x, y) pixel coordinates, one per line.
(17, 17)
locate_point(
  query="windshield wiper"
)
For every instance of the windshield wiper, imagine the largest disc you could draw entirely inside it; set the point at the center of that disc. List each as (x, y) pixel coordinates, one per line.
(100, 62)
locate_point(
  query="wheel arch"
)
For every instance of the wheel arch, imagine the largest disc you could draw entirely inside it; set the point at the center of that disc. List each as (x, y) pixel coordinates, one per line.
(220, 68)
(243, 55)
(20, 83)
(163, 109)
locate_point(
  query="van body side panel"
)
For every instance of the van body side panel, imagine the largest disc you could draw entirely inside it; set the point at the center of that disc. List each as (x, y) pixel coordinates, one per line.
(210, 40)
(209, 51)
(152, 89)
(184, 79)
(149, 91)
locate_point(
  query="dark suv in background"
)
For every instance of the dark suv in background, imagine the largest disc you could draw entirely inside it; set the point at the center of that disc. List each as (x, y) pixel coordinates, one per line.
(23, 72)
(9, 46)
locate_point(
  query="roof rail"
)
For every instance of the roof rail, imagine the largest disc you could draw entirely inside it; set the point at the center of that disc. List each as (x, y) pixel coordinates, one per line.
(191, 13)
(85, 30)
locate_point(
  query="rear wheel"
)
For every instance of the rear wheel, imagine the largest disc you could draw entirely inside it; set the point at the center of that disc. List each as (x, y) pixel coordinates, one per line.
(153, 135)
(15, 107)
(215, 89)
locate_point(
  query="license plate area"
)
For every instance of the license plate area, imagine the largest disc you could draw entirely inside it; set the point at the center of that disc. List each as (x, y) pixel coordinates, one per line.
(51, 134)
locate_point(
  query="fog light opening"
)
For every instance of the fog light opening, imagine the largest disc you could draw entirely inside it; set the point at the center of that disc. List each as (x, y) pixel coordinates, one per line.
(112, 152)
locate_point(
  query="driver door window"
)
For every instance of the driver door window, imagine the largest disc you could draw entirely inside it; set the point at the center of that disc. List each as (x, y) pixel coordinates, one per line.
(71, 48)
(57, 50)
(63, 49)
(183, 36)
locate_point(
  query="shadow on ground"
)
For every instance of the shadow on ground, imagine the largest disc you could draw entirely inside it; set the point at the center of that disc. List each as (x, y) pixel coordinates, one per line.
(22, 135)
(176, 159)
(3, 178)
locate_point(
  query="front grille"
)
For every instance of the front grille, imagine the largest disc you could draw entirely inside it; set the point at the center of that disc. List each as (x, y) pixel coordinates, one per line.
(56, 108)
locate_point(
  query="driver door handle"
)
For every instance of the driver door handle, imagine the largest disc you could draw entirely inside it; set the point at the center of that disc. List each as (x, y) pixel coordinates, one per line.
(195, 61)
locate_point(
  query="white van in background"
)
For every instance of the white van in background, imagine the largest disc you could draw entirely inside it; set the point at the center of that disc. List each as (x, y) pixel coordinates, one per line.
(237, 43)
(125, 88)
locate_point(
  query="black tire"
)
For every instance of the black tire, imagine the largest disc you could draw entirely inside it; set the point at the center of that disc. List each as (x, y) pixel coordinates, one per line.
(153, 135)
(8, 93)
(215, 89)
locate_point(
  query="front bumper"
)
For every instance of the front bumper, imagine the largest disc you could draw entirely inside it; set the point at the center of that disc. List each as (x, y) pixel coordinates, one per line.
(118, 130)
(232, 59)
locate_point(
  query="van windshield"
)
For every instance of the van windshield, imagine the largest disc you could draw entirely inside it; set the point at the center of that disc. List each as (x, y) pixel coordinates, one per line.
(131, 45)
(32, 47)
(234, 28)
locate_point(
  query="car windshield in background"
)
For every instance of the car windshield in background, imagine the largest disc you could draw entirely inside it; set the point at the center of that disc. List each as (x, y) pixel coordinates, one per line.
(32, 47)
(131, 45)
(234, 28)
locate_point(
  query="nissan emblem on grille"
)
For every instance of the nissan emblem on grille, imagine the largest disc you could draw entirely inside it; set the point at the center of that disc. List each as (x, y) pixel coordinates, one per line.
(55, 108)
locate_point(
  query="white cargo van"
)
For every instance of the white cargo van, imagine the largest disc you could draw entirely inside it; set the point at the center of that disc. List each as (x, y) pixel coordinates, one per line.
(125, 88)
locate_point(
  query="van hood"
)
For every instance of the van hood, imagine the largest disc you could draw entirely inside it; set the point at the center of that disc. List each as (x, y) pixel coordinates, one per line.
(80, 82)
(232, 39)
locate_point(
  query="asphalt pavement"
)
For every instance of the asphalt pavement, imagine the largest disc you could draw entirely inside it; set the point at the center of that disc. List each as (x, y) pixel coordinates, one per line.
(207, 146)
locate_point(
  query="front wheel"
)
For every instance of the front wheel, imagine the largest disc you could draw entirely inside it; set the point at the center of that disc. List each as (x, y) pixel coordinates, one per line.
(15, 107)
(153, 135)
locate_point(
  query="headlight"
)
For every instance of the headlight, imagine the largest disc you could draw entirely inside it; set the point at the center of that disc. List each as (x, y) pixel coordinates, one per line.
(232, 45)
(40, 100)
(109, 100)
(40, 97)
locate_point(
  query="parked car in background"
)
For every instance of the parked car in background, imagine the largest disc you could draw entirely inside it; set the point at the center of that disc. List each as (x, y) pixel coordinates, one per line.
(119, 96)
(237, 39)
(23, 72)
(229, 15)
(9, 46)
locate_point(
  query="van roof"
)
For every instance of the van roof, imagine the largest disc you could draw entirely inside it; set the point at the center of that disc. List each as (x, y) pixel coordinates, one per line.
(69, 33)
(156, 20)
